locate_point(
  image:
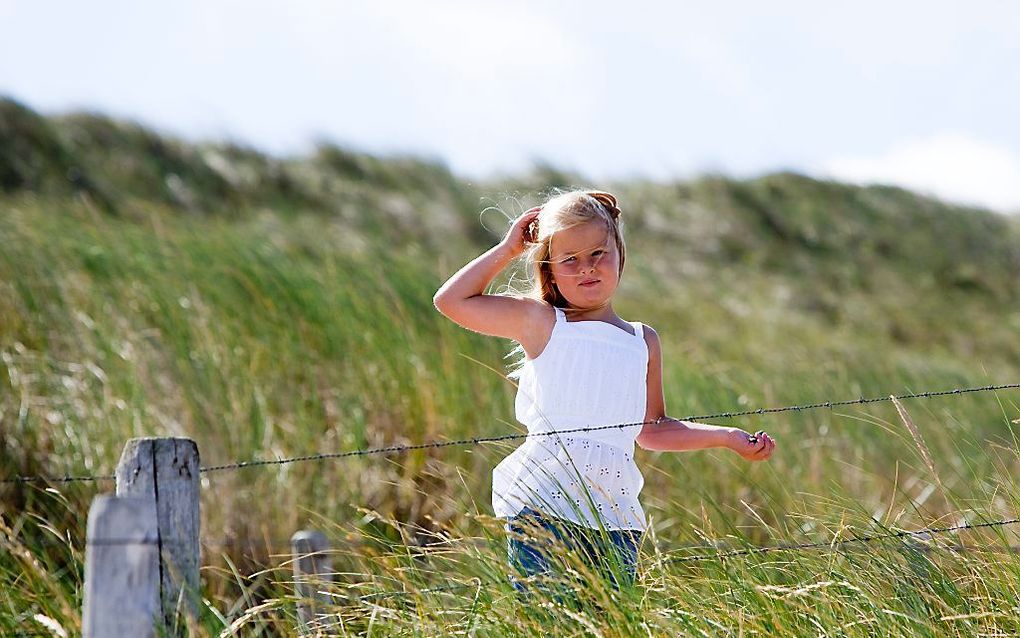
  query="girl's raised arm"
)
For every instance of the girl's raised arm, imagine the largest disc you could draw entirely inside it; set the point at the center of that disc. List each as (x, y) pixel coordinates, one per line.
(461, 298)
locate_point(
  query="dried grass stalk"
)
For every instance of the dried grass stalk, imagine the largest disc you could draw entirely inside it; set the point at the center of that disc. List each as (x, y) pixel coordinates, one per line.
(919, 440)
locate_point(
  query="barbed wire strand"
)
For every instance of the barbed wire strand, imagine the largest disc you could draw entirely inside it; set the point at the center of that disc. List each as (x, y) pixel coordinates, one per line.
(754, 550)
(510, 437)
(838, 543)
(832, 545)
(284, 547)
(58, 479)
(285, 544)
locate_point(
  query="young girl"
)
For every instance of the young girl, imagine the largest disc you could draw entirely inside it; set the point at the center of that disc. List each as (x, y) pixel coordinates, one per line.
(581, 366)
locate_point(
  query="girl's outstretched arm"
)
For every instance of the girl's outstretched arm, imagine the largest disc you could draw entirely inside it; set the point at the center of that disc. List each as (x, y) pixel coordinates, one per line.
(463, 301)
(672, 435)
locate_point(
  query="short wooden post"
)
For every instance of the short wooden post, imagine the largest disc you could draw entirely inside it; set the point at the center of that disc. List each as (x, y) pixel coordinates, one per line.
(121, 595)
(313, 570)
(165, 470)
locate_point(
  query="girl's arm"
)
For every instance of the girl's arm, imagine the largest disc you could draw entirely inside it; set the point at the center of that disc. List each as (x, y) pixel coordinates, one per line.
(461, 298)
(672, 435)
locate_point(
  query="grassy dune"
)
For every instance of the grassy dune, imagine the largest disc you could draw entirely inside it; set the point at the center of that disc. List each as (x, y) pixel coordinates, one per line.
(271, 308)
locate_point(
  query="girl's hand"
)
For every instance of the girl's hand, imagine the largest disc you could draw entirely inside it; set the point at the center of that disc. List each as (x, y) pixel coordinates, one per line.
(523, 231)
(754, 447)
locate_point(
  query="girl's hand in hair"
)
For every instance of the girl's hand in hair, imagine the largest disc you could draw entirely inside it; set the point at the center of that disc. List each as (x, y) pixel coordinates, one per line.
(522, 232)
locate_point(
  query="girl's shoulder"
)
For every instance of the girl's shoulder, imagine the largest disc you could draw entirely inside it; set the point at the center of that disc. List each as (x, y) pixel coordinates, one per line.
(652, 341)
(537, 309)
(540, 320)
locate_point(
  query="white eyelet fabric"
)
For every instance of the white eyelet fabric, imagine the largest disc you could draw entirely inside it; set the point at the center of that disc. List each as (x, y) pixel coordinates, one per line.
(590, 373)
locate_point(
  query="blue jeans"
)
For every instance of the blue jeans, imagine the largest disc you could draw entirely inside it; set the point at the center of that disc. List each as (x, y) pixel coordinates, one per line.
(612, 555)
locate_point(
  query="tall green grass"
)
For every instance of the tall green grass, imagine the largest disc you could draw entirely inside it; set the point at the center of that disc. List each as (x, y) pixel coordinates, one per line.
(268, 333)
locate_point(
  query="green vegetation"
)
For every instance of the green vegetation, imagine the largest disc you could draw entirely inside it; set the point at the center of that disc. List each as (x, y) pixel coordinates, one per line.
(279, 307)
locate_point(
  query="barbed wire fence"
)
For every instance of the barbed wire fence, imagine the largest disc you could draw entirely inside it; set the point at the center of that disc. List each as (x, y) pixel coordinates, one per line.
(395, 449)
(924, 534)
(282, 543)
(166, 544)
(834, 545)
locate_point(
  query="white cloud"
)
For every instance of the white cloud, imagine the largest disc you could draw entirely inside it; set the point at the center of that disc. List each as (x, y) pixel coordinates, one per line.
(950, 165)
(605, 88)
(479, 41)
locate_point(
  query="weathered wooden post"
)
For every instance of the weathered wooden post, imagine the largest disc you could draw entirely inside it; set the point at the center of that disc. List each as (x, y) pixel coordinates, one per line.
(313, 569)
(121, 595)
(165, 470)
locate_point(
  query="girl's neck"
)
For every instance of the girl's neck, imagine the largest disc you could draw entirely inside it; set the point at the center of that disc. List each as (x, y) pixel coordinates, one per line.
(598, 313)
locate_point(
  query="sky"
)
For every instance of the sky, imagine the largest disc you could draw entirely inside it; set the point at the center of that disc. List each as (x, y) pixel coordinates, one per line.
(923, 95)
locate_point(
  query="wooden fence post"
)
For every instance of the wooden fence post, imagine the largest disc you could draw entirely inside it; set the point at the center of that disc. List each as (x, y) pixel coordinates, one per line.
(121, 595)
(165, 470)
(313, 569)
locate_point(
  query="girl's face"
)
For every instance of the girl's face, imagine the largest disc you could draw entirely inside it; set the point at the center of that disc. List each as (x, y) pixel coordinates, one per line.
(585, 264)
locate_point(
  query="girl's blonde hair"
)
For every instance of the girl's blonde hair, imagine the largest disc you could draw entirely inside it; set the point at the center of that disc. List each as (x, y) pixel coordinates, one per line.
(564, 210)
(560, 213)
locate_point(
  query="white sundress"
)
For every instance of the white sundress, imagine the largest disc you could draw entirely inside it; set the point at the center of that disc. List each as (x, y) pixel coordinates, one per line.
(591, 373)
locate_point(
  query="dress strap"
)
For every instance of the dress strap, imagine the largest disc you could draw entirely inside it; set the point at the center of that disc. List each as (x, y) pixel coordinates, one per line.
(560, 316)
(639, 330)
